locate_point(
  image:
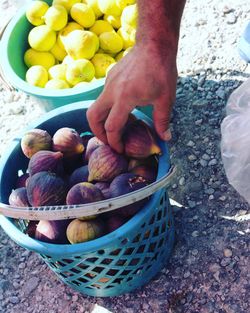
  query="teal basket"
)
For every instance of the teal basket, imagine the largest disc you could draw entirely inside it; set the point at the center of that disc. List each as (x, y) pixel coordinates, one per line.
(113, 264)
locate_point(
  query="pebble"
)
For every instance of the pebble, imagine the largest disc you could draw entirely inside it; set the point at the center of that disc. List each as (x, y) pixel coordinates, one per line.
(195, 233)
(190, 143)
(212, 162)
(14, 300)
(203, 163)
(31, 285)
(227, 253)
(182, 181)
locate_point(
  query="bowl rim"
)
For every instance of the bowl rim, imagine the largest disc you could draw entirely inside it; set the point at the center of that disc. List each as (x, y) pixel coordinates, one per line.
(21, 84)
(86, 247)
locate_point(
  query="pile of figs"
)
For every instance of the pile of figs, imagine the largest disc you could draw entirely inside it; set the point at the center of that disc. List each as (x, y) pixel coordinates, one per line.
(77, 168)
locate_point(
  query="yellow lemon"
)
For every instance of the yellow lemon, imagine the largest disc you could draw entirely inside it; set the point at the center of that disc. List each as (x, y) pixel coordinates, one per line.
(33, 57)
(93, 4)
(100, 27)
(81, 44)
(111, 42)
(56, 83)
(67, 60)
(37, 76)
(109, 7)
(101, 63)
(42, 38)
(56, 17)
(122, 54)
(66, 3)
(82, 85)
(80, 71)
(123, 3)
(66, 30)
(110, 67)
(36, 11)
(58, 71)
(115, 21)
(83, 14)
(129, 16)
(128, 36)
(58, 52)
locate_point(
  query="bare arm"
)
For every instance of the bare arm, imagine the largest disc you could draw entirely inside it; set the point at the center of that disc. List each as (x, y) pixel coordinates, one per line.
(147, 75)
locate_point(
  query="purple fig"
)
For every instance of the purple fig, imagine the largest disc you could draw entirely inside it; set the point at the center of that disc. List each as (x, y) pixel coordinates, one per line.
(79, 175)
(21, 180)
(52, 231)
(47, 161)
(84, 193)
(35, 140)
(93, 143)
(148, 172)
(19, 198)
(104, 187)
(82, 231)
(45, 188)
(139, 141)
(68, 141)
(126, 183)
(105, 164)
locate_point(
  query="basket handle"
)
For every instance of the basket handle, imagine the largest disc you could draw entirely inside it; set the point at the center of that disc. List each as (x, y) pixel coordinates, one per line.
(73, 211)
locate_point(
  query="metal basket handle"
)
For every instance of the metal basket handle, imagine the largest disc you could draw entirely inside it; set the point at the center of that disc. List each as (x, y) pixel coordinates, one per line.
(73, 211)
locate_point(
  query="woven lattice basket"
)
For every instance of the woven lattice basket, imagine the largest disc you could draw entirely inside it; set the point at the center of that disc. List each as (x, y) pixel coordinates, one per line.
(115, 263)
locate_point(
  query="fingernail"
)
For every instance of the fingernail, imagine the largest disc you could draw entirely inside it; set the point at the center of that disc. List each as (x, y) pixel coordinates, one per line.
(167, 135)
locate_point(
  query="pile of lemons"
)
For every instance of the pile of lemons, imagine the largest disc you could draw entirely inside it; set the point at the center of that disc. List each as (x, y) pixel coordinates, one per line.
(74, 42)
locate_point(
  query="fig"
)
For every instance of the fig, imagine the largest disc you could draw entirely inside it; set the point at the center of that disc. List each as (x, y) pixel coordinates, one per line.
(35, 140)
(68, 141)
(84, 193)
(47, 161)
(82, 231)
(19, 198)
(79, 175)
(114, 222)
(52, 231)
(139, 141)
(21, 180)
(93, 143)
(45, 188)
(126, 183)
(148, 172)
(105, 164)
(104, 187)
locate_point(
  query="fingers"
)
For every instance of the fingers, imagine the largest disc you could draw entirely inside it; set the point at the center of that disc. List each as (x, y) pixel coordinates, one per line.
(97, 115)
(115, 123)
(161, 116)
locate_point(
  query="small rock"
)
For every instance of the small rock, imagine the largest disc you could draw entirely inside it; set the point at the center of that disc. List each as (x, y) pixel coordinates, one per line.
(203, 163)
(186, 274)
(181, 181)
(192, 157)
(14, 300)
(222, 198)
(221, 93)
(31, 285)
(195, 186)
(212, 162)
(191, 204)
(228, 253)
(195, 233)
(225, 261)
(190, 143)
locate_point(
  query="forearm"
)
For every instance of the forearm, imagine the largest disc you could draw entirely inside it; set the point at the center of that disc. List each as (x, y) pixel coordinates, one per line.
(159, 22)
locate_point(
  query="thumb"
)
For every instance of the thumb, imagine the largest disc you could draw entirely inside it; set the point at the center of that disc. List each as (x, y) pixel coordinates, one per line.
(161, 115)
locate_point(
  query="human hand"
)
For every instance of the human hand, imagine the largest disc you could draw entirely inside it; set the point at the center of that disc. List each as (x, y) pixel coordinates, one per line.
(146, 75)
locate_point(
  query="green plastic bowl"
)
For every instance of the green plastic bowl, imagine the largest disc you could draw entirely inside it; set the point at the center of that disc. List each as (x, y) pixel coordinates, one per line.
(13, 45)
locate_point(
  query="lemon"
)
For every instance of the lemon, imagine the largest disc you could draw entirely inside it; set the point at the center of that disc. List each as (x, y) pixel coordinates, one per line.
(58, 52)
(37, 75)
(80, 71)
(56, 17)
(83, 14)
(101, 62)
(109, 7)
(115, 21)
(111, 42)
(58, 71)
(128, 36)
(100, 27)
(36, 11)
(42, 38)
(129, 16)
(93, 4)
(81, 44)
(56, 83)
(66, 30)
(66, 3)
(33, 57)
(123, 3)
(122, 54)
(67, 60)
(82, 85)
(110, 67)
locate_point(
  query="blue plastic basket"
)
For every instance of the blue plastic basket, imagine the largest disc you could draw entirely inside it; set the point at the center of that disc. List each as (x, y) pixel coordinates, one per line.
(113, 264)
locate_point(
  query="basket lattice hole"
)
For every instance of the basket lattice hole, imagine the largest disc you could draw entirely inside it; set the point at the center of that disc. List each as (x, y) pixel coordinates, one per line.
(163, 227)
(112, 272)
(152, 220)
(147, 234)
(152, 247)
(161, 242)
(118, 280)
(125, 272)
(115, 252)
(91, 260)
(67, 274)
(89, 275)
(98, 269)
(134, 261)
(129, 251)
(136, 239)
(75, 282)
(106, 261)
(67, 261)
(104, 280)
(156, 231)
(82, 266)
(124, 241)
(121, 262)
(76, 271)
(141, 249)
(101, 252)
(146, 260)
(159, 215)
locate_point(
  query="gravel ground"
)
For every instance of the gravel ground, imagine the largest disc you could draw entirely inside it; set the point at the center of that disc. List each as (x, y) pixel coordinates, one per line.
(209, 267)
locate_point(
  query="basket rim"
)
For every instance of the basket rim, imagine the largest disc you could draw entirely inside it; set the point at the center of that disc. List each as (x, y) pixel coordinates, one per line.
(22, 84)
(55, 249)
